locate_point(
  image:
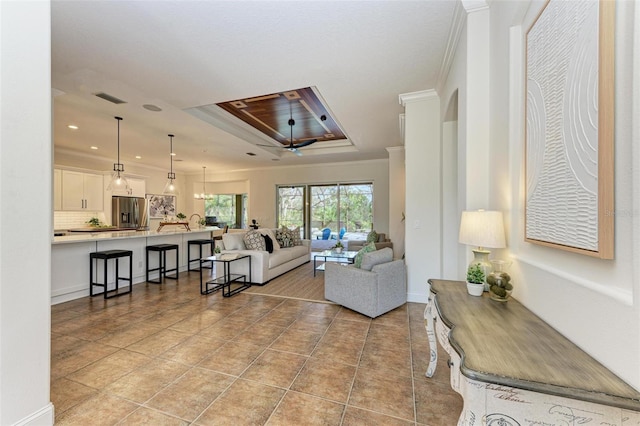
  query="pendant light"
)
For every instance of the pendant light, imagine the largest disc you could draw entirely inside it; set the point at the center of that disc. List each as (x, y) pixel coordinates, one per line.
(170, 188)
(118, 180)
(203, 194)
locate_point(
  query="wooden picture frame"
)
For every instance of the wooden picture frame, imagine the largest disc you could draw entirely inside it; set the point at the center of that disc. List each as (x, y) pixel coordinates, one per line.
(569, 149)
(161, 205)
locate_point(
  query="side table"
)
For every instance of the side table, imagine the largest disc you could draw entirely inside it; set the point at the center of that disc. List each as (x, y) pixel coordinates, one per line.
(227, 279)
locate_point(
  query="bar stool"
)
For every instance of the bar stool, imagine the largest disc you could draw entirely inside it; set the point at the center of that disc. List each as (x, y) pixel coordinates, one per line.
(199, 243)
(162, 250)
(105, 256)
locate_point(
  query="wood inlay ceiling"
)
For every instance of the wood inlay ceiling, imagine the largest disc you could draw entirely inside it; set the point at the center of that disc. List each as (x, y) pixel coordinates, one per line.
(270, 115)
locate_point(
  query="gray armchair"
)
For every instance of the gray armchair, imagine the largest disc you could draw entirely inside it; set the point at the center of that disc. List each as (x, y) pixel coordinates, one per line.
(372, 290)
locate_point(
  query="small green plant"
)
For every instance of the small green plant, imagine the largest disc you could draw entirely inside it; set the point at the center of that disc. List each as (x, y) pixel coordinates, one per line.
(338, 245)
(181, 216)
(94, 221)
(475, 274)
(202, 222)
(216, 250)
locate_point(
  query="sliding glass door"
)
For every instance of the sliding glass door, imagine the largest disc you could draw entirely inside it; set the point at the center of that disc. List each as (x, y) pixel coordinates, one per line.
(327, 211)
(291, 207)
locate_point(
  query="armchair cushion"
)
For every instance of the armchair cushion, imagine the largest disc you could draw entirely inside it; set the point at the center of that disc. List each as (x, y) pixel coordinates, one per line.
(373, 258)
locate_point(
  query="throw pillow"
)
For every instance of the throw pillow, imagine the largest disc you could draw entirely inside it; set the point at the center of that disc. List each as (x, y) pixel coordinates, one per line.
(272, 235)
(284, 237)
(366, 249)
(268, 242)
(372, 237)
(253, 240)
(295, 233)
(233, 241)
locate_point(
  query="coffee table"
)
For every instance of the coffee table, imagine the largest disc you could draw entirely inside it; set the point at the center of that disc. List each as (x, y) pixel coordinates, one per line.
(332, 256)
(223, 282)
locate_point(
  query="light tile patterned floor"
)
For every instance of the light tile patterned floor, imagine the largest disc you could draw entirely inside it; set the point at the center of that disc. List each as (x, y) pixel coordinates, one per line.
(165, 355)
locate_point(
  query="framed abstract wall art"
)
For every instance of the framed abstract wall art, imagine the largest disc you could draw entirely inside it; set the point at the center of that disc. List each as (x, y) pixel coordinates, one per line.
(570, 127)
(161, 206)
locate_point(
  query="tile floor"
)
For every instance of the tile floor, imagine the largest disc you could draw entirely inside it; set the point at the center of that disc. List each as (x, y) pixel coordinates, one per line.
(165, 355)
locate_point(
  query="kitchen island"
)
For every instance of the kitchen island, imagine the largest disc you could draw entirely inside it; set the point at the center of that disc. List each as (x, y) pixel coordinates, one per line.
(70, 255)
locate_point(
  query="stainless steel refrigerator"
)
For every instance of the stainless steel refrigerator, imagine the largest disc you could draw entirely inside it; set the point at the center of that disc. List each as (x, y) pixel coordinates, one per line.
(130, 212)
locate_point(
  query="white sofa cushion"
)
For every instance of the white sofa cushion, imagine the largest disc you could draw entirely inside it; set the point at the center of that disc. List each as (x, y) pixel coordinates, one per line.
(281, 256)
(233, 241)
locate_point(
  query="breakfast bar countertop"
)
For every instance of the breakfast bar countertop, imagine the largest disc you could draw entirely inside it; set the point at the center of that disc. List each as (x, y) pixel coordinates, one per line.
(81, 237)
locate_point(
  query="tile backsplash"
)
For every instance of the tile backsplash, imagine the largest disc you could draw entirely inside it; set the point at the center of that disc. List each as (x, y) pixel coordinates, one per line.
(69, 220)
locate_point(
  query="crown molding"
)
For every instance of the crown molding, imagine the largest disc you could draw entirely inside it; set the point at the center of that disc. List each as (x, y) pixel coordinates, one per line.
(395, 149)
(421, 95)
(459, 19)
(474, 5)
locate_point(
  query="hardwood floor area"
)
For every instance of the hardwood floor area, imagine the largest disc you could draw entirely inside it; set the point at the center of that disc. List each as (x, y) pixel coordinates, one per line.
(165, 355)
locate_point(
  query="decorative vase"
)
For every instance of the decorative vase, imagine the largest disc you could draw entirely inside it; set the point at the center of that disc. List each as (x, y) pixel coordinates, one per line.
(475, 289)
(499, 281)
(338, 249)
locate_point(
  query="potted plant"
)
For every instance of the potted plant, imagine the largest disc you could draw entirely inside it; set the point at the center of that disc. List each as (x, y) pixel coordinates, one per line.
(338, 247)
(475, 279)
(202, 222)
(181, 216)
(94, 222)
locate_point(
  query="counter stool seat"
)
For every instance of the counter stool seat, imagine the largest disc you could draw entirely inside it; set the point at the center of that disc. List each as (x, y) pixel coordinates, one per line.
(199, 243)
(162, 250)
(105, 256)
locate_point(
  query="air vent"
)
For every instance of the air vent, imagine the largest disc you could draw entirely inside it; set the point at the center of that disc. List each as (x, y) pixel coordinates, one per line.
(110, 98)
(251, 154)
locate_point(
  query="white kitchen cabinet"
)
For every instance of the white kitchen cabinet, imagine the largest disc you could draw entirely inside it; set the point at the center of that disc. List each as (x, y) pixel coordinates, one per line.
(57, 189)
(137, 188)
(82, 191)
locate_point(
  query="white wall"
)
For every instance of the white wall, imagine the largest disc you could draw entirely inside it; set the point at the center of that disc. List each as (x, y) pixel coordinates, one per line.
(423, 189)
(262, 186)
(25, 214)
(593, 302)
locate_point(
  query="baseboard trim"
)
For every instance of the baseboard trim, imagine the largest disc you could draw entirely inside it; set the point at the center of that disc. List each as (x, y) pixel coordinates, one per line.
(42, 417)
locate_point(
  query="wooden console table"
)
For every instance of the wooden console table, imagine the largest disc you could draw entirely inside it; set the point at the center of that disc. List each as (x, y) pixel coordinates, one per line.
(513, 369)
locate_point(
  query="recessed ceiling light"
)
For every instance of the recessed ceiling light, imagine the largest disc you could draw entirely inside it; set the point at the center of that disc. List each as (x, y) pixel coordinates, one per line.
(94, 147)
(251, 154)
(173, 154)
(275, 159)
(72, 127)
(151, 107)
(138, 157)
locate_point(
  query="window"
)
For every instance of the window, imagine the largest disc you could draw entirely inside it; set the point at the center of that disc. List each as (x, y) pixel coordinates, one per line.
(229, 209)
(333, 206)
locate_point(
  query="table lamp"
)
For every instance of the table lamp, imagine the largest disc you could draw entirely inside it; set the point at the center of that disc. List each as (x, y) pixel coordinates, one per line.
(482, 229)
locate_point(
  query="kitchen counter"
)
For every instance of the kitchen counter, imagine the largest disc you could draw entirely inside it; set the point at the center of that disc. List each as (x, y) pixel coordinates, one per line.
(117, 235)
(70, 256)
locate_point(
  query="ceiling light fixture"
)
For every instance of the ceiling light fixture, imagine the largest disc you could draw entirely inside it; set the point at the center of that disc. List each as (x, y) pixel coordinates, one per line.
(72, 127)
(170, 188)
(118, 180)
(94, 147)
(203, 194)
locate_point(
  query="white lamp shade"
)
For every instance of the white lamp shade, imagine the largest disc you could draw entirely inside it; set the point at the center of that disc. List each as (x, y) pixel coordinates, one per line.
(482, 228)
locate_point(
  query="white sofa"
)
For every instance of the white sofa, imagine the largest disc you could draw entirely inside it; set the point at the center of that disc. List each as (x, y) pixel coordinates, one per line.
(265, 266)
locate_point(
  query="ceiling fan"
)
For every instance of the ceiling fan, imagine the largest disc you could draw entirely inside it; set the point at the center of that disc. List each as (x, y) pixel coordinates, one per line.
(293, 147)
